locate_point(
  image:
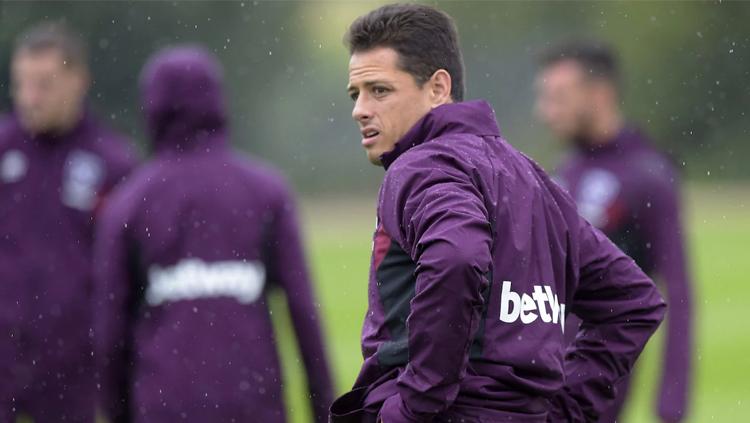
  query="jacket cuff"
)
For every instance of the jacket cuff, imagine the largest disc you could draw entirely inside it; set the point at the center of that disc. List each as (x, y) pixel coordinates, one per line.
(394, 410)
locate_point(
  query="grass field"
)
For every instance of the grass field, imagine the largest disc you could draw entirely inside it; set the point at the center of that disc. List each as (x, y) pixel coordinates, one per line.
(339, 239)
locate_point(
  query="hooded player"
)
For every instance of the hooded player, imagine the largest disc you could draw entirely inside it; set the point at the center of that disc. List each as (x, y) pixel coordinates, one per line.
(57, 165)
(478, 256)
(185, 256)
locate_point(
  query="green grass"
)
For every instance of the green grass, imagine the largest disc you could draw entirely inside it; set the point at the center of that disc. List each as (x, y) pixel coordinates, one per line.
(339, 240)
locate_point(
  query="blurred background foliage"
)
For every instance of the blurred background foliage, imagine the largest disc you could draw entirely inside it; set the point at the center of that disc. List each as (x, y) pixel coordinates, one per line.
(686, 69)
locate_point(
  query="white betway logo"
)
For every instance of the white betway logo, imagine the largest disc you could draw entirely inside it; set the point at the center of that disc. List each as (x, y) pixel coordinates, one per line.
(514, 306)
(190, 279)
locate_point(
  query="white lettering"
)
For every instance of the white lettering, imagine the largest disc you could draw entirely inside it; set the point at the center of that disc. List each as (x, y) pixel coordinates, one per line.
(514, 306)
(190, 279)
(540, 297)
(527, 305)
(553, 303)
(562, 317)
(506, 297)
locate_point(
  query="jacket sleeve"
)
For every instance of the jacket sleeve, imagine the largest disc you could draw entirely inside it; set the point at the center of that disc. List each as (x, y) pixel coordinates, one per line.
(287, 267)
(442, 223)
(114, 304)
(620, 309)
(662, 225)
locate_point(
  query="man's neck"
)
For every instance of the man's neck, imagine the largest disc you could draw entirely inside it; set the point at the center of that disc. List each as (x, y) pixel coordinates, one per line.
(64, 127)
(605, 127)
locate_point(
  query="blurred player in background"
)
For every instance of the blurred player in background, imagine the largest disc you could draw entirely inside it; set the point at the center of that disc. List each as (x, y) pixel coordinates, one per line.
(626, 188)
(186, 253)
(478, 256)
(57, 163)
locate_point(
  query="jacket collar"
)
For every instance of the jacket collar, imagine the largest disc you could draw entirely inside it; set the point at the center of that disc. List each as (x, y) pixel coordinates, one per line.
(56, 138)
(627, 138)
(470, 117)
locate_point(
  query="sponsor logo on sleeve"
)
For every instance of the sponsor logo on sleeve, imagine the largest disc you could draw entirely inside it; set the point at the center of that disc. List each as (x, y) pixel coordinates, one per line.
(541, 305)
(192, 279)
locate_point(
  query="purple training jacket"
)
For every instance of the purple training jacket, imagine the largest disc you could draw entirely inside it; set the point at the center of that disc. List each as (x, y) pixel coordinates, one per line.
(630, 191)
(186, 254)
(51, 189)
(478, 260)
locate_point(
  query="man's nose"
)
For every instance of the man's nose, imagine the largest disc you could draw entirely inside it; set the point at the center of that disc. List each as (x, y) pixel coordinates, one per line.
(361, 111)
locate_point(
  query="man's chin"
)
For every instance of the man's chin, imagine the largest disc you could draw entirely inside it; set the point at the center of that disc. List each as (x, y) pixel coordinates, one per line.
(34, 126)
(374, 158)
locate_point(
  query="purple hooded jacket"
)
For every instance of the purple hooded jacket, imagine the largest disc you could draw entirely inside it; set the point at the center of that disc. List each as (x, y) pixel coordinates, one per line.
(478, 259)
(185, 256)
(51, 188)
(631, 192)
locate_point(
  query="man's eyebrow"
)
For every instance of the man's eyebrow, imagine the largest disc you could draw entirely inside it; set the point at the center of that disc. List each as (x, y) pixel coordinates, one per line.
(367, 84)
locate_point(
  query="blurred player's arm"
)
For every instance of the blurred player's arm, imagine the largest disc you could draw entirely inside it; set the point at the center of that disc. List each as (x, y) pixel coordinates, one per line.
(442, 224)
(114, 299)
(662, 225)
(620, 309)
(287, 266)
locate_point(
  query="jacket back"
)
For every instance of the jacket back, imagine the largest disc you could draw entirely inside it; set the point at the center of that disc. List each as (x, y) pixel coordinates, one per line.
(478, 259)
(186, 254)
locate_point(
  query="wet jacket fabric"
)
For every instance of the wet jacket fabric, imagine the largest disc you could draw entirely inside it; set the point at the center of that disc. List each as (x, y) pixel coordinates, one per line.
(478, 259)
(630, 191)
(186, 254)
(51, 188)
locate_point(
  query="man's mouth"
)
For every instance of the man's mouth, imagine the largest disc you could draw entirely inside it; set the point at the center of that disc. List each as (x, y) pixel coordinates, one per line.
(369, 136)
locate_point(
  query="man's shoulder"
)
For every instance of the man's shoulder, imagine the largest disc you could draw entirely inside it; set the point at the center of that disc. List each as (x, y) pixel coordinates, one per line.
(259, 171)
(450, 151)
(6, 121)
(649, 165)
(9, 132)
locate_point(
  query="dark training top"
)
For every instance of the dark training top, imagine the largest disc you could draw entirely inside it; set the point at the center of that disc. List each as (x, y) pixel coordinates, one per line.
(187, 251)
(478, 259)
(51, 188)
(631, 192)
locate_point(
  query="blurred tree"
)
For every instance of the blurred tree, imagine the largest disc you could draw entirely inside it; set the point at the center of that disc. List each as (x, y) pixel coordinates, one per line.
(685, 68)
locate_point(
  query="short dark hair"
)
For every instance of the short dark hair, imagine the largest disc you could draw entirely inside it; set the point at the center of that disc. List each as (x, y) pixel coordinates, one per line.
(425, 39)
(54, 36)
(597, 59)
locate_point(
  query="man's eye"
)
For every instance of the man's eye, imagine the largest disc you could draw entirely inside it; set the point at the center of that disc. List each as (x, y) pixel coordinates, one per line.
(354, 96)
(379, 90)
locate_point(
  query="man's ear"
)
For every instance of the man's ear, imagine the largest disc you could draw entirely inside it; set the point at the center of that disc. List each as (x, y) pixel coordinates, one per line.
(440, 85)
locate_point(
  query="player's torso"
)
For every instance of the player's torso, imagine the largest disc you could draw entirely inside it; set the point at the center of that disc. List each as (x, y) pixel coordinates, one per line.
(48, 195)
(525, 290)
(611, 192)
(207, 208)
(201, 237)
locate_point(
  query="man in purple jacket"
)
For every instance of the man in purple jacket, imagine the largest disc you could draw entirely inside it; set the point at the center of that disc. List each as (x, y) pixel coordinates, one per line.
(186, 253)
(478, 256)
(57, 163)
(624, 187)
